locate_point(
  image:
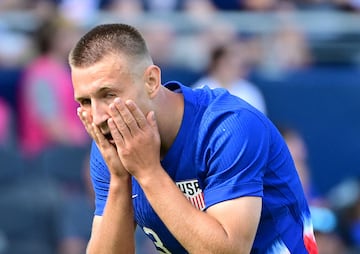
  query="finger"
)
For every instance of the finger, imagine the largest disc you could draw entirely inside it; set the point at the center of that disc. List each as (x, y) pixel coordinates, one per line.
(83, 117)
(99, 137)
(138, 115)
(119, 121)
(115, 133)
(85, 121)
(127, 116)
(80, 115)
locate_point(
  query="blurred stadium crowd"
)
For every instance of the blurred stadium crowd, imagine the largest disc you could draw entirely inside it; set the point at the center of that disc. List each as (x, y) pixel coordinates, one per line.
(291, 59)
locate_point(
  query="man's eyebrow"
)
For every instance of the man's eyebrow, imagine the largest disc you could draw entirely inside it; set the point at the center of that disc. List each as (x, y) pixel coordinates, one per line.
(97, 92)
(104, 89)
(80, 98)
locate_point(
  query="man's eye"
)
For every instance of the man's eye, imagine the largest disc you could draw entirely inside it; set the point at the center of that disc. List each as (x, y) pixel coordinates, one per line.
(85, 102)
(110, 95)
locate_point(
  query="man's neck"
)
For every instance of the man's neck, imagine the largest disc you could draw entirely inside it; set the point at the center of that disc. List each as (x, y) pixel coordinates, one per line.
(170, 114)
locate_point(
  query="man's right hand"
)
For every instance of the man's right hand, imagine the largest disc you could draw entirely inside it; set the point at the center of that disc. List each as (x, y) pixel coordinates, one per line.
(108, 150)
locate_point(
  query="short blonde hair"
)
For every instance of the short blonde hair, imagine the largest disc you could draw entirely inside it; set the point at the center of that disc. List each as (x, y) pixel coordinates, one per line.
(106, 39)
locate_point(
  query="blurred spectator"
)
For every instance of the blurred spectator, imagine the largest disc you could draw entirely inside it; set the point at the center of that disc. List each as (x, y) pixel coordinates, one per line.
(44, 9)
(162, 5)
(6, 123)
(287, 48)
(199, 9)
(47, 110)
(325, 229)
(314, 4)
(128, 10)
(40, 8)
(160, 38)
(193, 50)
(14, 48)
(290, 41)
(228, 68)
(347, 5)
(43, 106)
(171, 52)
(299, 151)
(76, 213)
(325, 220)
(81, 11)
(11, 5)
(259, 5)
(229, 5)
(52, 136)
(345, 198)
(44, 214)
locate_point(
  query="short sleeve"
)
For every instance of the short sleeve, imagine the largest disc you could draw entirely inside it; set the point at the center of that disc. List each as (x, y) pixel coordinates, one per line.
(235, 158)
(100, 178)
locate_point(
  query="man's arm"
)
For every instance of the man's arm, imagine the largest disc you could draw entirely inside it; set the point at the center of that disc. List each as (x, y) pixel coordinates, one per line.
(227, 227)
(114, 231)
(95, 225)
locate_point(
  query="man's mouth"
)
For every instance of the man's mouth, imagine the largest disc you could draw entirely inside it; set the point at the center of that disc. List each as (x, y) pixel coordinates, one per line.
(109, 137)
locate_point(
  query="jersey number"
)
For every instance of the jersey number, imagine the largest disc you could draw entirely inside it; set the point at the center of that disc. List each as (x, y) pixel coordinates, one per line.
(158, 243)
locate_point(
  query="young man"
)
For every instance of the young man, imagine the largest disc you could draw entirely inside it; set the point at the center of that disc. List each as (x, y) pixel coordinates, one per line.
(200, 171)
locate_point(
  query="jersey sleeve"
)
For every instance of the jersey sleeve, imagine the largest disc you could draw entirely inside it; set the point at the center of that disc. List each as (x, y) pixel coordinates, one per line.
(100, 178)
(235, 156)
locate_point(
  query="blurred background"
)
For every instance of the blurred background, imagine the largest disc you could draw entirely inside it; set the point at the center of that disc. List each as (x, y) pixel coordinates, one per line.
(297, 61)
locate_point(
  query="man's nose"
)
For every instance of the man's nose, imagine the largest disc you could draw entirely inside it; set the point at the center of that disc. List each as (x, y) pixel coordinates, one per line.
(99, 113)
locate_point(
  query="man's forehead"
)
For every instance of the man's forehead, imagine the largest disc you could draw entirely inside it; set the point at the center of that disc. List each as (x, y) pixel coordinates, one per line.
(102, 71)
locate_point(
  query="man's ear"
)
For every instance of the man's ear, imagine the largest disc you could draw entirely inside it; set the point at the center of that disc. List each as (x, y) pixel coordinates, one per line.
(152, 78)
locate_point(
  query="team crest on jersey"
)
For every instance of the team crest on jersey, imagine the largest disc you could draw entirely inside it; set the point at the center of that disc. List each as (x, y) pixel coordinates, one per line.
(192, 192)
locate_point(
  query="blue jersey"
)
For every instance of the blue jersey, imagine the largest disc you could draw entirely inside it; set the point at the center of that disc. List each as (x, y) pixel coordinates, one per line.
(225, 149)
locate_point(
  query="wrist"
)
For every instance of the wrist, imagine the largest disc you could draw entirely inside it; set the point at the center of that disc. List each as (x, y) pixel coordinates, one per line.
(119, 182)
(151, 177)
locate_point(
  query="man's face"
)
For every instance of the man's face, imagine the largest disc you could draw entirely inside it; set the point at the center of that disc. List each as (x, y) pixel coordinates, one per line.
(96, 87)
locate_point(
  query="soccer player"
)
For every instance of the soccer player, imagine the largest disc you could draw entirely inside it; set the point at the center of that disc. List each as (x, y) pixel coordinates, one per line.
(199, 170)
